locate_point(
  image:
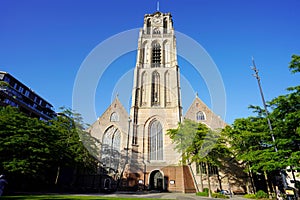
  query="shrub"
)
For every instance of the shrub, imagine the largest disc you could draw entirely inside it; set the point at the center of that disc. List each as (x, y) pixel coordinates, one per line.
(202, 194)
(261, 194)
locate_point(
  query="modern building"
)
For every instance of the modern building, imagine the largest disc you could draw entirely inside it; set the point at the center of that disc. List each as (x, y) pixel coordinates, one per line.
(16, 94)
(135, 146)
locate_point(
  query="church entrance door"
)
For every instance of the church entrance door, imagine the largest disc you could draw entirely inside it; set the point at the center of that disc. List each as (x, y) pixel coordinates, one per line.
(156, 180)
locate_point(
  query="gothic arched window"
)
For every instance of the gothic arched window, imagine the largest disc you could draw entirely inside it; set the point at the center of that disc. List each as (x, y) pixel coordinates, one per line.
(155, 93)
(114, 117)
(165, 25)
(155, 141)
(110, 152)
(143, 88)
(156, 55)
(148, 26)
(200, 116)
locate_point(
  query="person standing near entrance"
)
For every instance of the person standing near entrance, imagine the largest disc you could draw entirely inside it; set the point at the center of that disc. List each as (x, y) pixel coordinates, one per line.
(3, 182)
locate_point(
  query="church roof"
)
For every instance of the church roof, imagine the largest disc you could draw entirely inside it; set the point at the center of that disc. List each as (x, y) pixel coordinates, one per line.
(198, 107)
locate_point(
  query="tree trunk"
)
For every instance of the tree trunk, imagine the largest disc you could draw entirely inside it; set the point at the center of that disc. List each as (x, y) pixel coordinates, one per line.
(57, 175)
(208, 181)
(201, 178)
(268, 186)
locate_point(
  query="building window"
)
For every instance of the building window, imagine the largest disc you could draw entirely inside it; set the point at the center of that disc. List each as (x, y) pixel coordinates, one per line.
(165, 25)
(27, 93)
(200, 116)
(110, 152)
(21, 89)
(155, 97)
(148, 26)
(6, 79)
(114, 117)
(156, 55)
(156, 141)
(212, 169)
(156, 31)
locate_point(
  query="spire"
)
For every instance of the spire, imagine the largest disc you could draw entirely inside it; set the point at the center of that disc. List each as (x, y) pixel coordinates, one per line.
(157, 6)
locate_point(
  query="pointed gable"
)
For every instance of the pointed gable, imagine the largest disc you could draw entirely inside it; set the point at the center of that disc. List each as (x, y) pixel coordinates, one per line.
(200, 112)
(115, 115)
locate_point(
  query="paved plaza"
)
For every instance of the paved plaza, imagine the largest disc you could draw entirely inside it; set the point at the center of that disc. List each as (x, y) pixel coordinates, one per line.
(178, 196)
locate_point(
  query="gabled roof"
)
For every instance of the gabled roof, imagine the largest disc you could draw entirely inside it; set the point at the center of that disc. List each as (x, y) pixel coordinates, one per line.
(212, 120)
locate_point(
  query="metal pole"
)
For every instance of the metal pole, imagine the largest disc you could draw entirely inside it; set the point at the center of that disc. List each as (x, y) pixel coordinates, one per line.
(264, 102)
(267, 115)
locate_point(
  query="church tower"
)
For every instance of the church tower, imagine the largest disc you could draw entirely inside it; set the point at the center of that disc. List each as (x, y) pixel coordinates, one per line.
(137, 151)
(156, 104)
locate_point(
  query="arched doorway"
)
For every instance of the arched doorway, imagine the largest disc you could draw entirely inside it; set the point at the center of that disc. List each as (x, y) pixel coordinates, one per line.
(156, 181)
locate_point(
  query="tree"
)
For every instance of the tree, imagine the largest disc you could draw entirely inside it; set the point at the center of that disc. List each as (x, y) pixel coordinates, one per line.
(251, 140)
(198, 143)
(295, 64)
(74, 145)
(32, 151)
(26, 146)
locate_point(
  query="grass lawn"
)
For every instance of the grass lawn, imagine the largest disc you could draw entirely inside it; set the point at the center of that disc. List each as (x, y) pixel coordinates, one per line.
(64, 197)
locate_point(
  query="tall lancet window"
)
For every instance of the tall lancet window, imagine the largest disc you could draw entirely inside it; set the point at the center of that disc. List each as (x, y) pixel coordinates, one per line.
(165, 25)
(144, 89)
(167, 88)
(110, 152)
(155, 141)
(155, 93)
(156, 55)
(148, 26)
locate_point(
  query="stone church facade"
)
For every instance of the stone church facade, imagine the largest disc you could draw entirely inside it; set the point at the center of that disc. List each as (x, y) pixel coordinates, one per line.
(135, 147)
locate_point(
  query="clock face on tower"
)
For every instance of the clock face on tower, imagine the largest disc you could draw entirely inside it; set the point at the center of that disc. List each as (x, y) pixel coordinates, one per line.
(156, 20)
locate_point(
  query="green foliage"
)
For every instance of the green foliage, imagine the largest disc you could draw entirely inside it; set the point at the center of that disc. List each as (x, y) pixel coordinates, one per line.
(214, 195)
(198, 143)
(218, 195)
(250, 196)
(261, 195)
(250, 138)
(295, 64)
(32, 150)
(202, 194)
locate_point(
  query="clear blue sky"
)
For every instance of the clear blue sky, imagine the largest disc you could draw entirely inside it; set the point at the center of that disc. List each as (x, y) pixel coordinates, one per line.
(43, 44)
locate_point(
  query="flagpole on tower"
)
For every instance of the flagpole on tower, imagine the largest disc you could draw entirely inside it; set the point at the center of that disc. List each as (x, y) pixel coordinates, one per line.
(157, 6)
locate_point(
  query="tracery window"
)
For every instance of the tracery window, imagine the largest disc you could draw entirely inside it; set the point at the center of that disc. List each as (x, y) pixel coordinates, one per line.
(200, 116)
(156, 141)
(110, 152)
